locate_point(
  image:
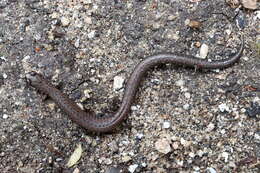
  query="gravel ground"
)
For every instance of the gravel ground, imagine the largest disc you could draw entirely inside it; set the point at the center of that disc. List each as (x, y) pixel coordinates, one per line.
(182, 120)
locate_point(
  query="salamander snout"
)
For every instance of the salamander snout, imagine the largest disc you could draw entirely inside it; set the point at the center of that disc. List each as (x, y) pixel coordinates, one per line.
(33, 78)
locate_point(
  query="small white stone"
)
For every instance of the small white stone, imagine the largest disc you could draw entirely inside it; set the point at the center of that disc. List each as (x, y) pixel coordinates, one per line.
(211, 170)
(228, 31)
(210, 127)
(175, 145)
(179, 162)
(256, 99)
(88, 20)
(204, 49)
(257, 136)
(126, 158)
(187, 95)
(87, 2)
(107, 161)
(245, 58)
(5, 116)
(125, 142)
(196, 168)
(134, 108)
(59, 159)
(225, 156)
(163, 146)
(76, 170)
(192, 155)
(91, 34)
(26, 58)
(223, 107)
(143, 164)
(186, 22)
(54, 15)
(185, 143)
(3, 58)
(76, 44)
(180, 83)
(65, 21)
(118, 82)
(243, 110)
(200, 153)
(4, 75)
(132, 168)
(166, 124)
(186, 106)
(140, 135)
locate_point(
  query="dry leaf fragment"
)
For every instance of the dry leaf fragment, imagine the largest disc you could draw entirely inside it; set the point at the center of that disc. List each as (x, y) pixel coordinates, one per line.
(250, 4)
(194, 24)
(233, 3)
(74, 158)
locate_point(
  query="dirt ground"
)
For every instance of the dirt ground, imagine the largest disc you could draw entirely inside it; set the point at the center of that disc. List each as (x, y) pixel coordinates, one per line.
(182, 120)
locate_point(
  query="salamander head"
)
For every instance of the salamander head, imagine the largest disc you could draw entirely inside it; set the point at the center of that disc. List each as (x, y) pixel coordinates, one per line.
(34, 79)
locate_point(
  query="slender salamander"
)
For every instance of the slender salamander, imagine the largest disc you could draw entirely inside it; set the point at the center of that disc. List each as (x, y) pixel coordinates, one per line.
(102, 124)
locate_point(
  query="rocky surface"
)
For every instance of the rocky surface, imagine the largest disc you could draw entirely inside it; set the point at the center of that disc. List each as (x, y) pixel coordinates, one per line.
(183, 120)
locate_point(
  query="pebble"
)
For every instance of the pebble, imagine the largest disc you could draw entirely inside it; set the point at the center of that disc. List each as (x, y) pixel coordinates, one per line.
(4, 75)
(228, 31)
(163, 146)
(118, 82)
(200, 153)
(88, 20)
(211, 170)
(185, 143)
(175, 145)
(26, 58)
(172, 17)
(87, 93)
(223, 131)
(76, 44)
(225, 156)
(210, 127)
(180, 83)
(186, 106)
(192, 155)
(196, 168)
(179, 162)
(126, 158)
(91, 34)
(65, 21)
(76, 170)
(223, 107)
(87, 2)
(132, 168)
(140, 135)
(257, 136)
(106, 161)
(204, 49)
(186, 22)
(3, 58)
(143, 164)
(166, 124)
(187, 95)
(135, 108)
(5, 116)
